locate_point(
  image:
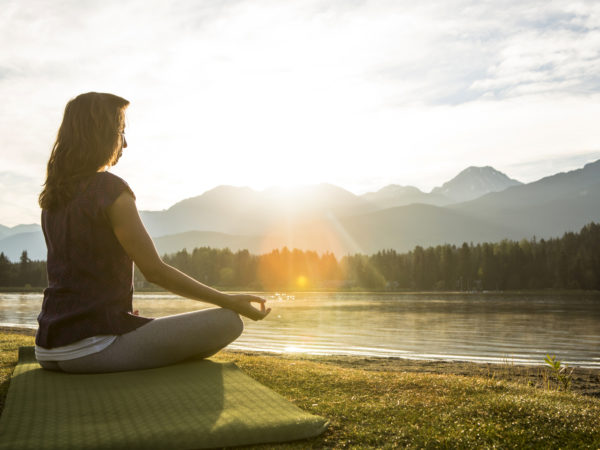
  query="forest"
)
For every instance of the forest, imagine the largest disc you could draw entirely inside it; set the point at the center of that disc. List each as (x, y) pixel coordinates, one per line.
(569, 262)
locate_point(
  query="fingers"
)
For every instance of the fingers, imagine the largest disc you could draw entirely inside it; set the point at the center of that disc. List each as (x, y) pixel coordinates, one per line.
(264, 310)
(250, 298)
(260, 314)
(254, 313)
(257, 299)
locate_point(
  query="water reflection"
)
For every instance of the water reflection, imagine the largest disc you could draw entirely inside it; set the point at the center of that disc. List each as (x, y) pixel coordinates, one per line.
(495, 328)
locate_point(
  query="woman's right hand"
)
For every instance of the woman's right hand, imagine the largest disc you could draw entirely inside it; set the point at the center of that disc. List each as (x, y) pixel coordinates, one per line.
(242, 304)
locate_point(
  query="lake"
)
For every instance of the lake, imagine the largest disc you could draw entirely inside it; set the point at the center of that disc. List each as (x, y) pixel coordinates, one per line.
(498, 328)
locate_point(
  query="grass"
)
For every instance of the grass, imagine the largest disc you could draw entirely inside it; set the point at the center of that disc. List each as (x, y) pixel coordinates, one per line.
(9, 348)
(383, 407)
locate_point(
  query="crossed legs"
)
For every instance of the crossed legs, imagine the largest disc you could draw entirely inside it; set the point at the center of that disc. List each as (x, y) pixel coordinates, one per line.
(163, 341)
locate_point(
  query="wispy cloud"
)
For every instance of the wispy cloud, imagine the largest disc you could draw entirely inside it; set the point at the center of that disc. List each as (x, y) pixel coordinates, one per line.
(470, 50)
(260, 92)
(18, 199)
(539, 168)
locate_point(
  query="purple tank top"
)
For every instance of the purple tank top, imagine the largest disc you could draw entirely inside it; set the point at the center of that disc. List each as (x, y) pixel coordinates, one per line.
(90, 276)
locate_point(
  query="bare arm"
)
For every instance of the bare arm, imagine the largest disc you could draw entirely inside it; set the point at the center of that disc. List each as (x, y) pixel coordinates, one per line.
(134, 238)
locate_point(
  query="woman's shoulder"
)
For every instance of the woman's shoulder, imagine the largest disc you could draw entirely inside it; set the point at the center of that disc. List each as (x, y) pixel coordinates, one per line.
(108, 177)
(111, 186)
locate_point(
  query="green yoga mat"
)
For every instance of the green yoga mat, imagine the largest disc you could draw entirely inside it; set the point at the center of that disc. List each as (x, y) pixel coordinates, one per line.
(194, 404)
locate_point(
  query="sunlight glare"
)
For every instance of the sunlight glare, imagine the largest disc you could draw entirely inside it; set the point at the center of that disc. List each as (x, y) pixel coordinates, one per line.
(302, 281)
(294, 349)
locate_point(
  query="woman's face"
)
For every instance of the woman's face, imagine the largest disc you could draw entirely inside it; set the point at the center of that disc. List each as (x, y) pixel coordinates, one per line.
(122, 142)
(122, 139)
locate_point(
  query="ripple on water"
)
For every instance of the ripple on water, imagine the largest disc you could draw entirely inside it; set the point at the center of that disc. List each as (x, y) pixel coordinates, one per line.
(485, 328)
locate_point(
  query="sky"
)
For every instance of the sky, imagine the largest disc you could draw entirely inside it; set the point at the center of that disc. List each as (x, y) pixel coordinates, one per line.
(360, 94)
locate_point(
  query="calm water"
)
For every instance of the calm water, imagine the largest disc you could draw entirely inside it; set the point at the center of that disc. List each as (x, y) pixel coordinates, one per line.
(484, 328)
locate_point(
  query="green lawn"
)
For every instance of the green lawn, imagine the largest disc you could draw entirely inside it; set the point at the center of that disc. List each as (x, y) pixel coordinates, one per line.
(388, 408)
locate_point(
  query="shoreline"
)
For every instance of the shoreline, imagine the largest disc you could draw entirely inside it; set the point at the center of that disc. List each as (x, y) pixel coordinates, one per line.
(584, 381)
(40, 290)
(492, 362)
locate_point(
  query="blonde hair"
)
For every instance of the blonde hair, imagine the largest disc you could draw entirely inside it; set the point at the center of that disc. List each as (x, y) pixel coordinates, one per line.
(87, 140)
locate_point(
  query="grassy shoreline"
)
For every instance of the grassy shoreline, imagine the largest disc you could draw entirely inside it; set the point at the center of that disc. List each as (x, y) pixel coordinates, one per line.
(584, 381)
(388, 402)
(34, 289)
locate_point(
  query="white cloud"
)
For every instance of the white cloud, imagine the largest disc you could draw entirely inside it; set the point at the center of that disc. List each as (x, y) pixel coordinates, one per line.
(266, 92)
(18, 199)
(533, 170)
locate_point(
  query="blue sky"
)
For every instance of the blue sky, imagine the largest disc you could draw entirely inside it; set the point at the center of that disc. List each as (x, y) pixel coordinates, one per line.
(257, 93)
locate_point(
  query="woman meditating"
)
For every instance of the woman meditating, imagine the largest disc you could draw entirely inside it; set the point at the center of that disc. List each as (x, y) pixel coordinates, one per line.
(94, 235)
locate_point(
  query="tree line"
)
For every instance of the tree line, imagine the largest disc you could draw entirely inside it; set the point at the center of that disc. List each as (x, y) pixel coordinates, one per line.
(569, 262)
(24, 273)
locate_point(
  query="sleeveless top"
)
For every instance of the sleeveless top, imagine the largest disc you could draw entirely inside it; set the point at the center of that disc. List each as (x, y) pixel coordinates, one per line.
(90, 276)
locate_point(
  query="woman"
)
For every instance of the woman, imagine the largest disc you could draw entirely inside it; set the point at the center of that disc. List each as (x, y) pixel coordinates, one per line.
(94, 235)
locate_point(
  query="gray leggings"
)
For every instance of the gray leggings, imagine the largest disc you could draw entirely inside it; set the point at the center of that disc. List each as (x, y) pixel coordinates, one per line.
(166, 340)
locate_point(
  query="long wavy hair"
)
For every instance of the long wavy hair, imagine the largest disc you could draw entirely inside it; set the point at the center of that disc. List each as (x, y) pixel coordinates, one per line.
(87, 140)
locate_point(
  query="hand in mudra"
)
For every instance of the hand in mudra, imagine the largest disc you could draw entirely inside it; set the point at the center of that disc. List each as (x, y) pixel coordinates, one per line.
(242, 304)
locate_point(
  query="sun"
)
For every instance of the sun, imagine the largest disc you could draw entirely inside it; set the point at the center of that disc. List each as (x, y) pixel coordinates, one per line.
(301, 281)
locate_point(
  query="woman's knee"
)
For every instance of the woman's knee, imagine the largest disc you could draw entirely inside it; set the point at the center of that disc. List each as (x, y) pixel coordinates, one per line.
(234, 323)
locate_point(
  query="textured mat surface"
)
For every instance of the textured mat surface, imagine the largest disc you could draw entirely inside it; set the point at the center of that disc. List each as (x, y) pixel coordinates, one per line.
(196, 404)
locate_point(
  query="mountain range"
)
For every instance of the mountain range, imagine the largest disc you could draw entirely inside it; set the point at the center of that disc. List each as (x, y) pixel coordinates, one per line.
(479, 204)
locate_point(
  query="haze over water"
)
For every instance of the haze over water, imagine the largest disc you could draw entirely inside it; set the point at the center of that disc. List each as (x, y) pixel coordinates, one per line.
(519, 329)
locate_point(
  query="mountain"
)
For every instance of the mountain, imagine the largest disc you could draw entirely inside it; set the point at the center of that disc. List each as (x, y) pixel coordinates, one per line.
(547, 207)
(400, 228)
(394, 195)
(243, 211)
(473, 182)
(8, 231)
(35, 245)
(4, 231)
(318, 217)
(219, 209)
(328, 218)
(33, 242)
(193, 239)
(404, 227)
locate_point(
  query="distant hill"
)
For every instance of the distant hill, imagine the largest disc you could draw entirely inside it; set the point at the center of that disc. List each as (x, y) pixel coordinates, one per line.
(547, 207)
(473, 182)
(35, 245)
(404, 227)
(216, 210)
(400, 228)
(243, 211)
(193, 239)
(328, 218)
(11, 231)
(33, 242)
(394, 195)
